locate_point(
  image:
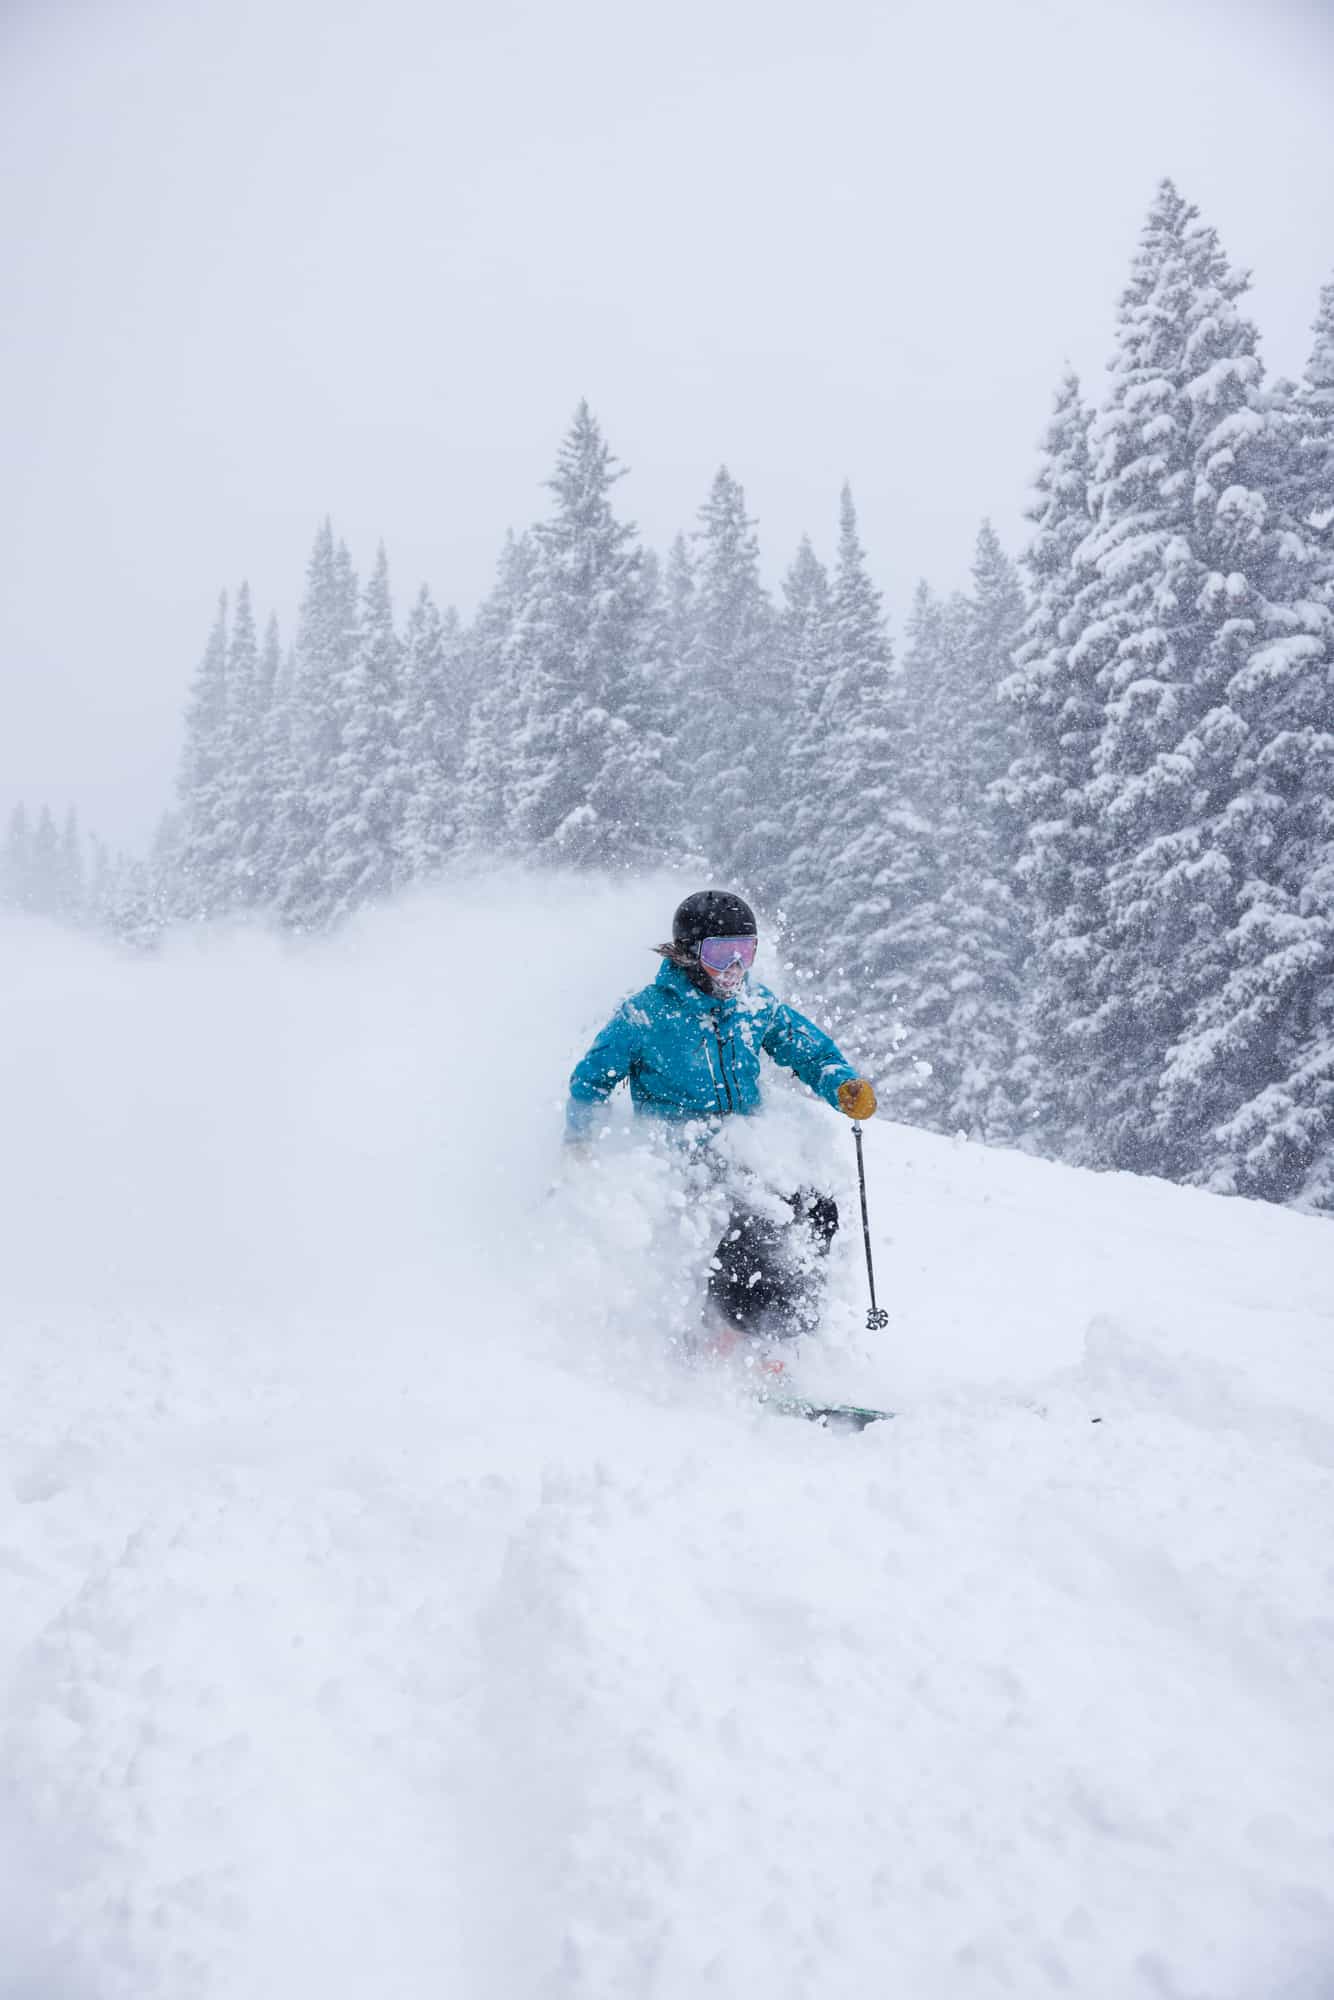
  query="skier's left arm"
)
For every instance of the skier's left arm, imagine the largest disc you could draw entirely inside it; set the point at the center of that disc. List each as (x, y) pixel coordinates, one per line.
(817, 1059)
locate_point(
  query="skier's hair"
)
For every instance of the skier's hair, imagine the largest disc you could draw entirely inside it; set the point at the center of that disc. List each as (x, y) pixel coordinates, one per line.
(686, 957)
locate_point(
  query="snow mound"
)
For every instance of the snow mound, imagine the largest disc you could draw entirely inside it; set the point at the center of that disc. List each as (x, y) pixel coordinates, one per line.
(385, 1612)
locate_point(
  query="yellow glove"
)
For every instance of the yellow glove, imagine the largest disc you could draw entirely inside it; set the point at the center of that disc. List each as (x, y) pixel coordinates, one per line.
(856, 1098)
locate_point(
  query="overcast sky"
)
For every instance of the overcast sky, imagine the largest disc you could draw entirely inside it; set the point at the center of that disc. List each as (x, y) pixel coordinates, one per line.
(266, 259)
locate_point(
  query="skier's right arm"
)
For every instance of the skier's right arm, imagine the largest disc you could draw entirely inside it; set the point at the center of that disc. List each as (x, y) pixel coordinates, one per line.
(597, 1074)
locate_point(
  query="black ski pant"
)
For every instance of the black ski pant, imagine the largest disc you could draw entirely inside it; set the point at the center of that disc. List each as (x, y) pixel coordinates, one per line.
(767, 1274)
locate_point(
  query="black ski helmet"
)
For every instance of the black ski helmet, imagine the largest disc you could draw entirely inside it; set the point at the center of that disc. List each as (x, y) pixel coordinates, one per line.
(711, 913)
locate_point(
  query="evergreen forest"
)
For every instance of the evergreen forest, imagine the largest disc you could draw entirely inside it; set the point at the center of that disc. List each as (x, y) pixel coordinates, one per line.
(1055, 860)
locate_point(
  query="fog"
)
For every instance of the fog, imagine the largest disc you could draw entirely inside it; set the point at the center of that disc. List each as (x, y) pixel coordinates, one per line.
(264, 262)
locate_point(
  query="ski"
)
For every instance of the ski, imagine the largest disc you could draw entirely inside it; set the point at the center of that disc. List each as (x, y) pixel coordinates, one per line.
(830, 1416)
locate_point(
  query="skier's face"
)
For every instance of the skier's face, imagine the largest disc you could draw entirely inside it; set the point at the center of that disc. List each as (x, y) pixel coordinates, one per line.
(727, 960)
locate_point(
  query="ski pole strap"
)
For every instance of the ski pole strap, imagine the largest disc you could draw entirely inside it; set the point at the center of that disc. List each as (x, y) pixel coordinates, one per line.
(877, 1317)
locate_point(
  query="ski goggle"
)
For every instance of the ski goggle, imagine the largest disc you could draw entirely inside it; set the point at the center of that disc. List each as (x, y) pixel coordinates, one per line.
(716, 954)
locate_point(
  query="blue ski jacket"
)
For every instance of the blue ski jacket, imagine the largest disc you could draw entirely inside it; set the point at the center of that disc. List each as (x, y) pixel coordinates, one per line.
(689, 1054)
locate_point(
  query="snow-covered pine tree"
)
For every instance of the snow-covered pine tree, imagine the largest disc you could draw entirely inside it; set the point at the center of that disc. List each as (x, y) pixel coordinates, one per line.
(1185, 561)
(1312, 501)
(45, 875)
(433, 737)
(280, 775)
(15, 860)
(1251, 1079)
(207, 807)
(495, 652)
(673, 614)
(637, 796)
(1312, 866)
(736, 697)
(1253, 1072)
(586, 777)
(303, 807)
(982, 911)
(803, 635)
(97, 894)
(107, 875)
(1047, 787)
(246, 703)
(917, 946)
(952, 939)
(347, 597)
(365, 793)
(865, 834)
(679, 597)
(72, 881)
(138, 900)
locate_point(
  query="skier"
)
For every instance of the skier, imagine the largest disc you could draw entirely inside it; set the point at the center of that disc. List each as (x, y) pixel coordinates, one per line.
(689, 1046)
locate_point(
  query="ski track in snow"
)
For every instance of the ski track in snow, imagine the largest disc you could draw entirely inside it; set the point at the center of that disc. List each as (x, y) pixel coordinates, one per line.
(384, 1613)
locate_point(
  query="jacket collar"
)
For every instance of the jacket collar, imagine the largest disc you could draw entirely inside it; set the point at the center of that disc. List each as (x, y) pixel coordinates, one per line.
(683, 987)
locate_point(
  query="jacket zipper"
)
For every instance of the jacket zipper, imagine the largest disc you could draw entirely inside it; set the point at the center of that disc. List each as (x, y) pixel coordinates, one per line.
(722, 1067)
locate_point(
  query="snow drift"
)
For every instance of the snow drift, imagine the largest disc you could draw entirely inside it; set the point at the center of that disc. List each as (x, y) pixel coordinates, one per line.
(385, 1613)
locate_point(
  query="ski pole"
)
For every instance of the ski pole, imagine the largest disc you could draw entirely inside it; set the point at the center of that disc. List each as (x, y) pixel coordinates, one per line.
(877, 1317)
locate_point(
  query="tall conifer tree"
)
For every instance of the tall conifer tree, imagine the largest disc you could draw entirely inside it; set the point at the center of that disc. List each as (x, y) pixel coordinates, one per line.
(323, 642)
(804, 634)
(15, 860)
(587, 777)
(865, 846)
(1188, 595)
(364, 793)
(280, 773)
(496, 647)
(674, 614)
(45, 873)
(72, 890)
(205, 783)
(919, 949)
(1046, 789)
(1312, 500)
(981, 910)
(1249, 1085)
(736, 694)
(245, 774)
(433, 739)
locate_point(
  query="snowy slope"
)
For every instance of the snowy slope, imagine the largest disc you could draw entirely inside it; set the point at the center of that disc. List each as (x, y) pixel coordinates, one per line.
(384, 1614)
